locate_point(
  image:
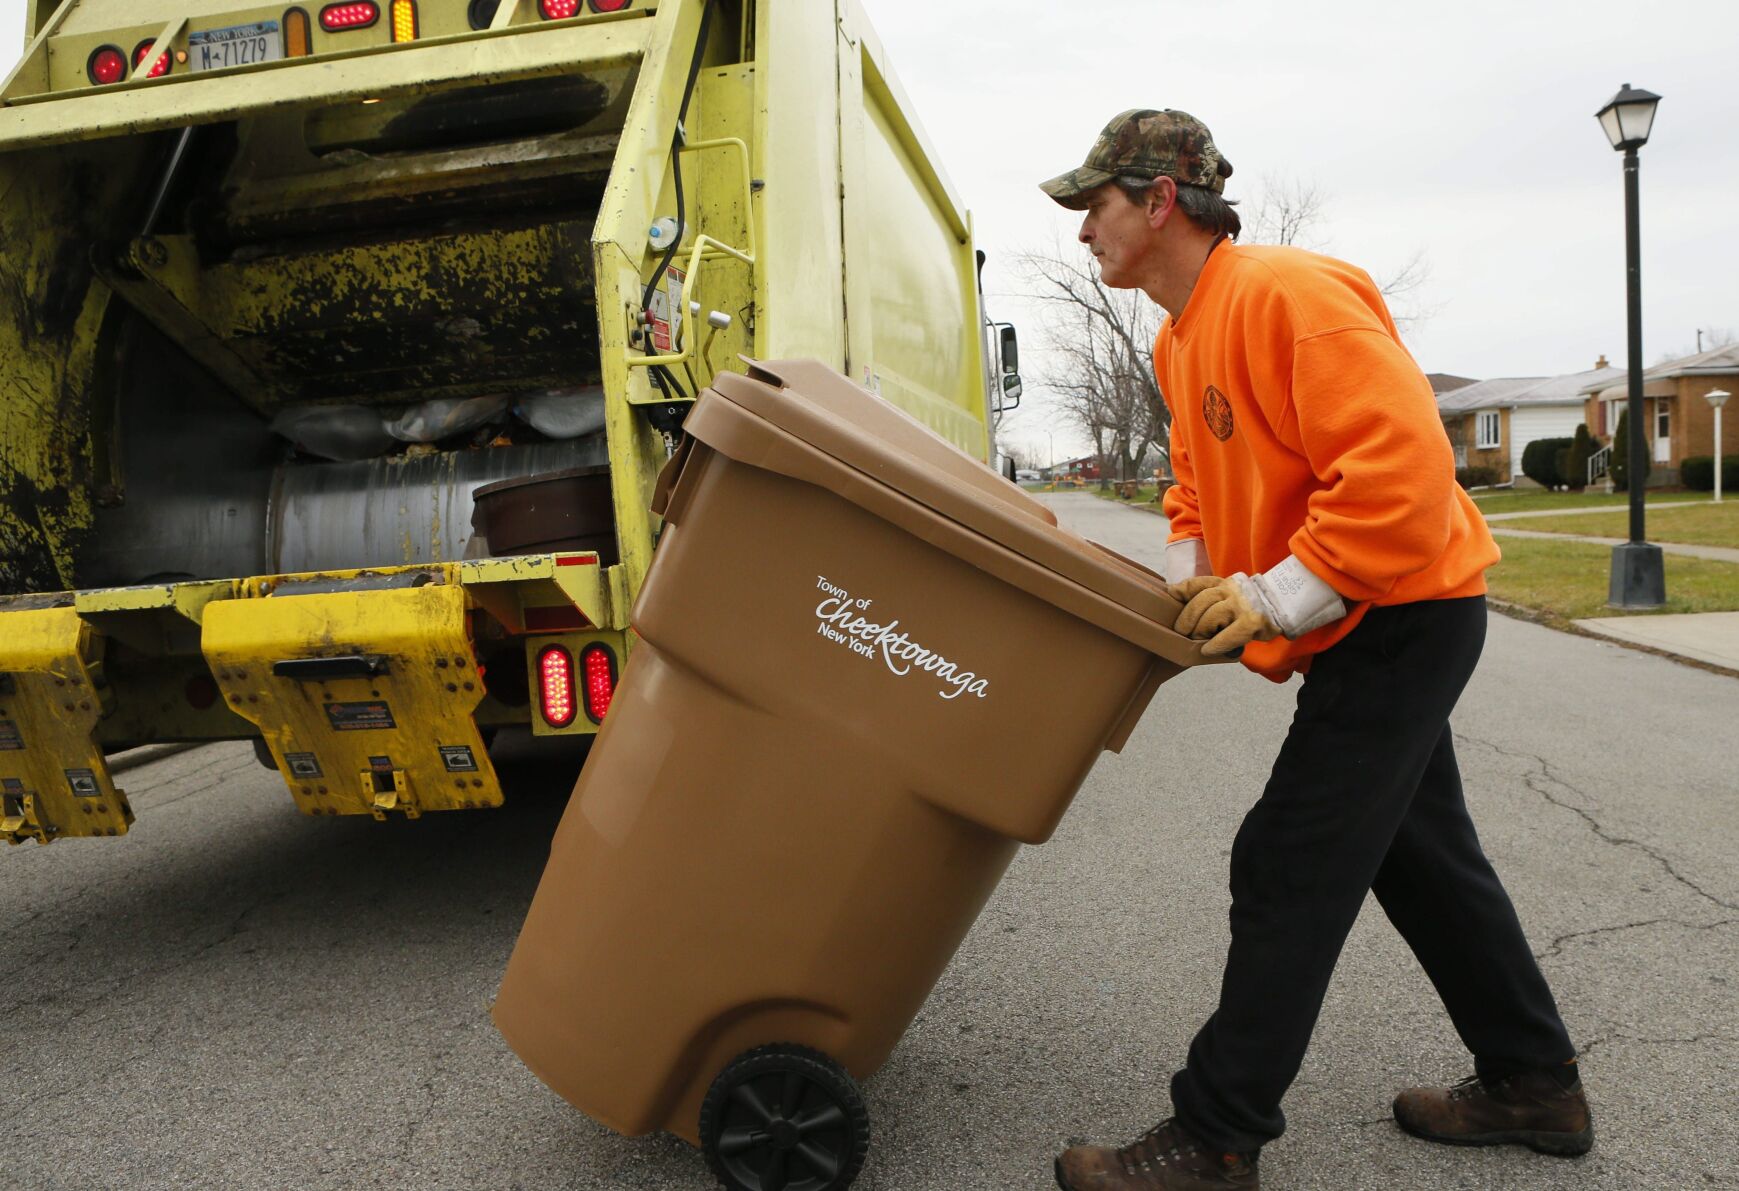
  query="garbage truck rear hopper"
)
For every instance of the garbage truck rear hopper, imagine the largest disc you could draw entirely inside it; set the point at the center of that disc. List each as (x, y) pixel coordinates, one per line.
(340, 347)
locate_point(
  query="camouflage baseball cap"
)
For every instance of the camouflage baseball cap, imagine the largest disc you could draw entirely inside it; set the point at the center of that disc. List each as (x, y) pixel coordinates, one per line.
(1144, 143)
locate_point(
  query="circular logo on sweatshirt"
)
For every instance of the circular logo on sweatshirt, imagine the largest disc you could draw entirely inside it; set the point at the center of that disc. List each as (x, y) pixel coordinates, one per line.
(1217, 413)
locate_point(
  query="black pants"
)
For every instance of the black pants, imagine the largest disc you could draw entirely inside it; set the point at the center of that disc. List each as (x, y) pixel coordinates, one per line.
(1365, 795)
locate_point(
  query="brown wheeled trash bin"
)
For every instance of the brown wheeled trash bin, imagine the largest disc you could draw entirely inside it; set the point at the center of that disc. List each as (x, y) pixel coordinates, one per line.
(869, 669)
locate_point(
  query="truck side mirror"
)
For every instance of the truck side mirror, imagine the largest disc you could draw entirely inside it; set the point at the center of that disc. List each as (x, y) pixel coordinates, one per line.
(1009, 349)
(1010, 392)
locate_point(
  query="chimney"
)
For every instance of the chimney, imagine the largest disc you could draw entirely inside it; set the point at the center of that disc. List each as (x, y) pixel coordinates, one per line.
(1601, 362)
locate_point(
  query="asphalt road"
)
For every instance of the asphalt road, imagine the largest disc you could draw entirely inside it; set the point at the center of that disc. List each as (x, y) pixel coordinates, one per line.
(236, 996)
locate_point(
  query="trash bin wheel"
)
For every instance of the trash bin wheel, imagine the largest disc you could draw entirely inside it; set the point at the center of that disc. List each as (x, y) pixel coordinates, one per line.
(784, 1118)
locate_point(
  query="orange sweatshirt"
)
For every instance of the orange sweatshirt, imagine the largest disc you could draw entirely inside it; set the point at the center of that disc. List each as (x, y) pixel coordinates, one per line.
(1302, 426)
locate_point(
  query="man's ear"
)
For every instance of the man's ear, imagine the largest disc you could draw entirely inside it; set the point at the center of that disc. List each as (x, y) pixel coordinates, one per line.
(1161, 201)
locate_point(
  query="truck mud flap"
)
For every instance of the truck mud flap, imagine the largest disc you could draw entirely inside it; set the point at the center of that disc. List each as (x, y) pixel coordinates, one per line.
(54, 783)
(364, 691)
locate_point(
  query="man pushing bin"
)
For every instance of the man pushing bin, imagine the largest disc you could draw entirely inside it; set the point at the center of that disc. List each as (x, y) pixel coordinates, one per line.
(1317, 526)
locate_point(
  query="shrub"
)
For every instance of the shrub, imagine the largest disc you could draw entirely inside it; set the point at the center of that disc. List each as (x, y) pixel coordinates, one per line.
(1476, 477)
(1540, 461)
(1697, 473)
(1575, 466)
(1621, 456)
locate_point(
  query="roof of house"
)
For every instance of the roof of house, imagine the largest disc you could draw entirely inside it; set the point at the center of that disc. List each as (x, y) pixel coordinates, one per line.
(1717, 361)
(1527, 390)
(1485, 394)
(1444, 382)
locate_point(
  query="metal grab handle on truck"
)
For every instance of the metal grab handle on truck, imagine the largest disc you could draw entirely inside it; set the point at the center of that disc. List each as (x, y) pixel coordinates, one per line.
(706, 248)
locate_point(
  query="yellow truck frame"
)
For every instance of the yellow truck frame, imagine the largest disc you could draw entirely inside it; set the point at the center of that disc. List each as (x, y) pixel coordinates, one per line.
(214, 211)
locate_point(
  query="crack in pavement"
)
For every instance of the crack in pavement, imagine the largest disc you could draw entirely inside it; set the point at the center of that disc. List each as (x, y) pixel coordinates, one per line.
(117, 982)
(1557, 947)
(219, 780)
(1535, 781)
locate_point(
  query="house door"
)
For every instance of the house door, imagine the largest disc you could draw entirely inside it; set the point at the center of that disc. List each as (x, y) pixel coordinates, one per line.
(1663, 433)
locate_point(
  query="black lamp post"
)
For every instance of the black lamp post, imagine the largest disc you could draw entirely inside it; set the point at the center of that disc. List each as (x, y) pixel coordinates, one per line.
(1638, 574)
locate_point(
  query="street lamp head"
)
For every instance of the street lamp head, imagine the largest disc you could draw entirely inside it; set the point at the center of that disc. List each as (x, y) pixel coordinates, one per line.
(1717, 397)
(1628, 117)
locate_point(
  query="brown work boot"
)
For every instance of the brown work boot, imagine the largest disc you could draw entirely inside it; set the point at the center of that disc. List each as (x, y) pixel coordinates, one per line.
(1167, 1158)
(1531, 1109)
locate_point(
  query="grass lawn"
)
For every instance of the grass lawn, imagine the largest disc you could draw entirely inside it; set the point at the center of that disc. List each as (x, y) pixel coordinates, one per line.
(1700, 525)
(1568, 580)
(1143, 494)
(1538, 499)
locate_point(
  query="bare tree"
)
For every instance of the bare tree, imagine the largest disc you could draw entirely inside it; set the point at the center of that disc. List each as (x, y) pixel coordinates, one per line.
(1286, 210)
(1099, 360)
(1708, 338)
(1022, 453)
(1290, 210)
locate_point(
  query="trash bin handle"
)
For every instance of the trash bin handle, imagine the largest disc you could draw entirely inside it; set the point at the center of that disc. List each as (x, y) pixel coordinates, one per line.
(669, 474)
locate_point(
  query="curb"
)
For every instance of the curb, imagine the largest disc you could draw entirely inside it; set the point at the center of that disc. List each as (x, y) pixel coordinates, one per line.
(1551, 620)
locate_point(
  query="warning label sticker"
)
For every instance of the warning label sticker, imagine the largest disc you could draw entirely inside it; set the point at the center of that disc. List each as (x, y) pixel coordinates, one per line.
(83, 783)
(368, 715)
(10, 737)
(380, 764)
(303, 765)
(457, 758)
(666, 311)
(11, 785)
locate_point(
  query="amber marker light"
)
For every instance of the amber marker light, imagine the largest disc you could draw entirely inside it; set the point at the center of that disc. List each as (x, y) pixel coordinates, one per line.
(298, 35)
(404, 20)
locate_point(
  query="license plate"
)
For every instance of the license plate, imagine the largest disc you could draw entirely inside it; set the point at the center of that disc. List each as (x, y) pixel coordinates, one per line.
(237, 45)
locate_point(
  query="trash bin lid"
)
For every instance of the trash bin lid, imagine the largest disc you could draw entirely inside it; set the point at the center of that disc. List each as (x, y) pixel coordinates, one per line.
(865, 437)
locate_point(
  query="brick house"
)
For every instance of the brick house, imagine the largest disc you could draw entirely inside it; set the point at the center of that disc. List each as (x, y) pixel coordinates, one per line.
(1491, 422)
(1680, 422)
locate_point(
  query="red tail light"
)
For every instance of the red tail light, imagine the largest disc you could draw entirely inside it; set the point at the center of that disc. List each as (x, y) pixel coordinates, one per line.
(599, 667)
(555, 675)
(335, 18)
(610, 5)
(557, 10)
(159, 68)
(106, 65)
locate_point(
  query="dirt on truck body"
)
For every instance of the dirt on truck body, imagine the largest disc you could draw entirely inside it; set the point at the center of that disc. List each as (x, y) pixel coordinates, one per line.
(341, 345)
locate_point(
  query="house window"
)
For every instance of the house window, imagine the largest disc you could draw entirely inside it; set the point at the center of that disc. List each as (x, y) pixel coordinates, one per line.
(1488, 431)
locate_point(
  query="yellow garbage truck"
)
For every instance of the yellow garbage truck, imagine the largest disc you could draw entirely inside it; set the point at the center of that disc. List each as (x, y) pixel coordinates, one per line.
(341, 345)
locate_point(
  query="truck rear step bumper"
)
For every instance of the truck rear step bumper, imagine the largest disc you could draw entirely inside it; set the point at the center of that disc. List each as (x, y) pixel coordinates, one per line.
(364, 685)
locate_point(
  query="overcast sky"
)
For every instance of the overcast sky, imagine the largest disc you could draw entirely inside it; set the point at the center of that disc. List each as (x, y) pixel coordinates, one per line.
(1464, 130)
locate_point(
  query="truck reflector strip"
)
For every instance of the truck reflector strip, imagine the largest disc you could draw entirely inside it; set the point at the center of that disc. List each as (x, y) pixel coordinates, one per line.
(160, 68)
(106, 65)
(558, 10)
(298, 42)
(335, 18)
(555, 673)
(404, 20)
(599, 666)
(609, 5)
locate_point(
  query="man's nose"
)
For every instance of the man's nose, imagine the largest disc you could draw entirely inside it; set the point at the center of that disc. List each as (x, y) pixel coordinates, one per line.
(1085, 235)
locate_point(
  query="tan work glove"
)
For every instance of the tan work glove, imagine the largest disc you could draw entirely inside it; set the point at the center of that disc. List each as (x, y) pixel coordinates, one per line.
(1285, 601)
(1227, 613)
